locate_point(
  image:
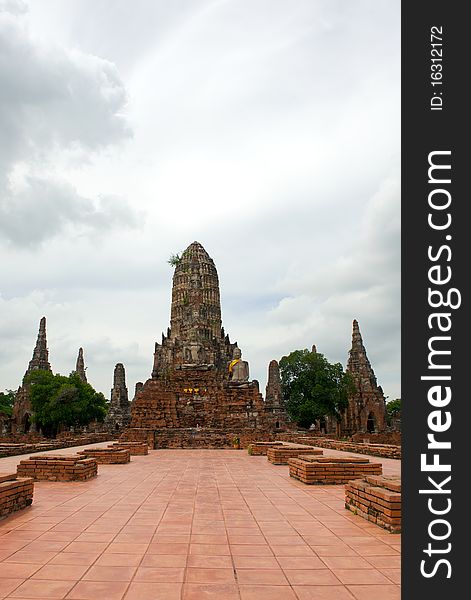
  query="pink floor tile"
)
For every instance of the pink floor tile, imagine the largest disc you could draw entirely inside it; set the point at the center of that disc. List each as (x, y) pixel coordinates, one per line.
(61, 572)
(167, 548)
(266, 592)
(261, 576)
(17, 570)
(39, 588)
(243, 550)
(74, 558)
(373, 592)
(163, 560)
(300, 562)
(210, 549)
(325, 592)
(393, 575)
(208, 575)
(151, 591)
(209, 562)
(216, 591)
(256, 562)
(91, 590)
(346, 562)
(180, 521)
(163, 574)
(30, 557)
(9, 584)
(109, 573)
(311, 577)
(360, 576)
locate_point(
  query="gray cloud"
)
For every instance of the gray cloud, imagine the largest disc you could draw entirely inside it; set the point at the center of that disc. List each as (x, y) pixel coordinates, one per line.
(56, 105)
(45, 208)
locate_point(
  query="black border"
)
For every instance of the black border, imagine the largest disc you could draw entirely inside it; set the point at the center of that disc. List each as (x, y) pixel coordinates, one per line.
(424, 131)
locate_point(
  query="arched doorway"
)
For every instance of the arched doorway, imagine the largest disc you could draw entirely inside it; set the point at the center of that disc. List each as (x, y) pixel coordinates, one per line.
(26, 422)
(323, 425)
(371, 423)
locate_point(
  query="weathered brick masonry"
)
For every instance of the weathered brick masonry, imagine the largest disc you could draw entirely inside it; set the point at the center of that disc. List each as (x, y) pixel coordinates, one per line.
(200, 394)
(261, 448)
(382, 450)
(377, 499)
(58, 468)
(135, 448)
(44, 445)
(327, 470)
(107, 456)
(16, 493)
(281, 455)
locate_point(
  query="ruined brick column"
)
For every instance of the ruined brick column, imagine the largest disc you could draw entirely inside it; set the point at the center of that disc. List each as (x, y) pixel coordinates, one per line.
(119, 412)
(273, 397)
(366, 407)
(273, 389)
(22, 409)
(138, 387)
(80, 366)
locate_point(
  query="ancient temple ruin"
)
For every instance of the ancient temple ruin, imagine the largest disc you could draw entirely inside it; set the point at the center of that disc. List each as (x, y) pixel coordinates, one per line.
(119, 412)
(22, 409)
(80, 366)
(200, 387)
(366, 411)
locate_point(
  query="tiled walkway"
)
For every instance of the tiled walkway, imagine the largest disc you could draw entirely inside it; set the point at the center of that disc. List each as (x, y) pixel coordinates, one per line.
(194, 525)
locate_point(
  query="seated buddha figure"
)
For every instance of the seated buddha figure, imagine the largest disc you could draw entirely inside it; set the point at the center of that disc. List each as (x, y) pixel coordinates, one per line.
(238, 368)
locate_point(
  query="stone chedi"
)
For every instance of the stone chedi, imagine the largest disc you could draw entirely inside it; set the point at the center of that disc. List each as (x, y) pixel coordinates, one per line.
(199, 379)
(22, 409)
(366, 411)
(273, 395)
(80, 366)
(119, 412)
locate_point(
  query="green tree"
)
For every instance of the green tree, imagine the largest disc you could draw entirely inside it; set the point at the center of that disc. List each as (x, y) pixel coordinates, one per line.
(393, 408)
(58, 400)
(7, 399)
(313, 387)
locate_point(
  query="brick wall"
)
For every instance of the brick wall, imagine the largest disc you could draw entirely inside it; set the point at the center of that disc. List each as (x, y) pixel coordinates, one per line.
(107, 456)
(16, 493)
(58, 468)
(377, 499)
(330, 471)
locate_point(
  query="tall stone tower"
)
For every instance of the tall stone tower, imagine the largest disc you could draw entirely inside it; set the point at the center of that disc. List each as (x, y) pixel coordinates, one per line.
(199, 393)
(119, 412)
(366, 410)
(80, 366)
(273, 389)
(195, 337)
(40, 360)
(22, 409)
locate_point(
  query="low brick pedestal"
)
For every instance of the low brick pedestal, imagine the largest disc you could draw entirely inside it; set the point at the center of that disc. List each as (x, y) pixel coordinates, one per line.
(107, 456)
(58, 468)
(135, 448)
(261, 448)
(281, 455)
(376, 499)
(326, 470)
(15, 493)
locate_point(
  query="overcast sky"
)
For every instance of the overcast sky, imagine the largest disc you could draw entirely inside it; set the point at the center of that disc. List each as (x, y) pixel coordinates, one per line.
(267, 130)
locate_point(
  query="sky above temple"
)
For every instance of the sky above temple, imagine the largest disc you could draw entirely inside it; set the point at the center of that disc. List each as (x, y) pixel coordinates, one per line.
(267, 130)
